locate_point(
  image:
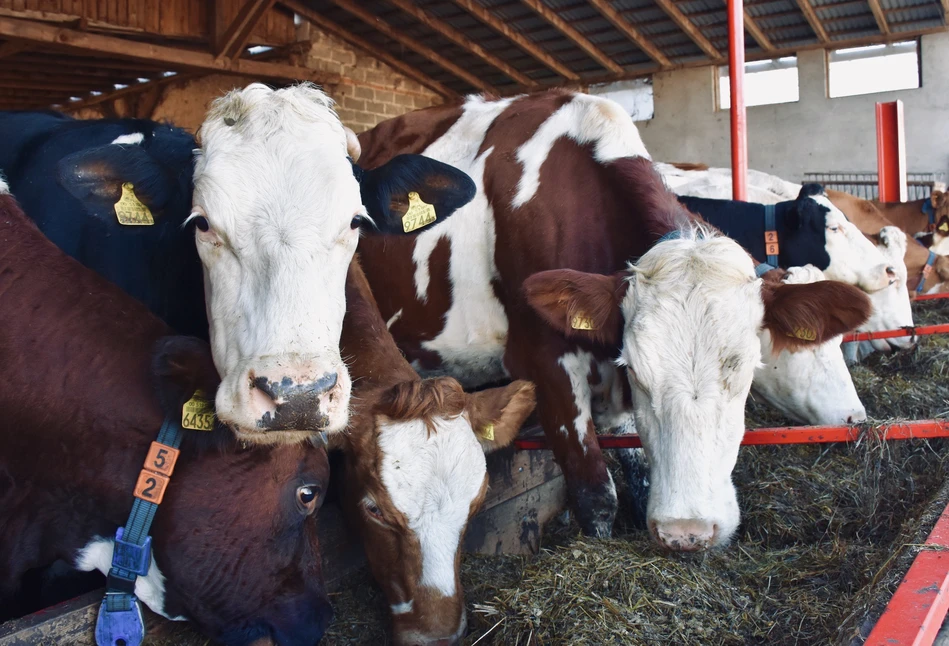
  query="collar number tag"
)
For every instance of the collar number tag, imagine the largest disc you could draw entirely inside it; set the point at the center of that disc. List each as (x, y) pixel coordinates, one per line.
(197, 413)
(771, 243)
(129, 209)
(420, 214)
(582, 322)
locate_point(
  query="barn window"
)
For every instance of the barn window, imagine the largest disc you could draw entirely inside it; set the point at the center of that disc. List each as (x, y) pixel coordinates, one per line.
(635, 96)
(876, 68)
(766, 82)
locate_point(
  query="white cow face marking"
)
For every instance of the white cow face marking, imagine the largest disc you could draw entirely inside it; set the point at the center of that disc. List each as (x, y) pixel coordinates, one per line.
(133, 138)
(275, 205)
(891, 306)
(853, 258)
(811, 385)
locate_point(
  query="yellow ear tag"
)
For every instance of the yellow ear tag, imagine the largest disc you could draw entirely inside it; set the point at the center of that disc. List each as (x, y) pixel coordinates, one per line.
(944, 227)
(129, 209)
(487, 432)
(420, 214)
(198, 413)
(804, 334)
(582, 322)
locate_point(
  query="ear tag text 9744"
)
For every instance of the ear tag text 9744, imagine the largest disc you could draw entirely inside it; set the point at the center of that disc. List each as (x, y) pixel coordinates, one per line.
(130, 211)
(420, 214)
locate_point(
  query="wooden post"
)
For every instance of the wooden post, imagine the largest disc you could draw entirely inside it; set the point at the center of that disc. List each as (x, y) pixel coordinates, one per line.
(736, 76)
(891, 152)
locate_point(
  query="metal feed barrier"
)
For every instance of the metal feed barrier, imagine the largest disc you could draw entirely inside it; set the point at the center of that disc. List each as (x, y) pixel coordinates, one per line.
(865, 184)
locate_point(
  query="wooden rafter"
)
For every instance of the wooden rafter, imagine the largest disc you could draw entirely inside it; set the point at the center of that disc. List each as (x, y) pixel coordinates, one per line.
(234, 40)
(814, 21)
(426, 52)
(492, 21)
(686, 25)
(378, 53)
(455, 36)
(623, 25)
(147, 52)
(757, 33)
(879, 16)
(106, 97)
(573, 35)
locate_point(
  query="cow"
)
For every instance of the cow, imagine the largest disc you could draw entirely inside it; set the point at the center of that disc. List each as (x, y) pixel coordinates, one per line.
(927, 272)
(921, 217)
(415, 470)
(698, 180)
(238, 556)
(564, 184)
(809, 231)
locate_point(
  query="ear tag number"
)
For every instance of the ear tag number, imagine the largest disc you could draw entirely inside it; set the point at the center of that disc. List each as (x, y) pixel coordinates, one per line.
(944, 227)
(582, 322)
(771, 243)
(197, 413)
(804, 334)
(420, 214)
(129, 209)
(487, 432)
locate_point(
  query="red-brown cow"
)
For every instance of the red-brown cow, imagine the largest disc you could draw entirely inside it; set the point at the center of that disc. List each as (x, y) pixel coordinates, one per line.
(415, 470)
(560, 186)
(235, 544)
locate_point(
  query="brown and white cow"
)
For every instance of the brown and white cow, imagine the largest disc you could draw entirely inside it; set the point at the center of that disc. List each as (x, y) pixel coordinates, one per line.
(560, 186)
(919, 217)
(238, 555)
(415, 470)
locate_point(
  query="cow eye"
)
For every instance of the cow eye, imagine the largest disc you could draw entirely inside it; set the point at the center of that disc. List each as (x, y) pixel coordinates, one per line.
(358, 221)
(308, 496)
(202, 223)
(834, 227)
(373, 510)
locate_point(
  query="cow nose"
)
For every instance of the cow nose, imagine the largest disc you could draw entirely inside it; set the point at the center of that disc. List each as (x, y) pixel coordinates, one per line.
(288, 404)
(685, 535)
(891, 273)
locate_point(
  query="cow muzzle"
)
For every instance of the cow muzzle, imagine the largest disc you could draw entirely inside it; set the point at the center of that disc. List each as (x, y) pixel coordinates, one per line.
(684, 535)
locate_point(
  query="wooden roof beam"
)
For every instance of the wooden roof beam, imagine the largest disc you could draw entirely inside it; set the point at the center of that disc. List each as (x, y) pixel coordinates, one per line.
(879, 16)
(617, 20)
(233, 41)
(573, 35)
(378, 53)
(526, 44)
(689, 28)
(35, 32)
(455, 36)
(382, 26)
(757, 33)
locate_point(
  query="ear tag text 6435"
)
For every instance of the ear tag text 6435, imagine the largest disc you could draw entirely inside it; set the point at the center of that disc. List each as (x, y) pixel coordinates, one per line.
(197, 413)
(130, 211)
(420, 214)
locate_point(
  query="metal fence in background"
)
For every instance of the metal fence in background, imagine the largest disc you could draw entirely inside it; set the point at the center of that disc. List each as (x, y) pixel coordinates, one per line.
(864, 185)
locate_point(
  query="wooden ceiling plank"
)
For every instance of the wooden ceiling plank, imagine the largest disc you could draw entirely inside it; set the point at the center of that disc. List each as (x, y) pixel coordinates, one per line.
(686, 25)
(527, 45)
(136, 50)
(234, 40)
(879, 16)
(610, 13)
(756, 32)
(329, 26)
(382, 26)
(115, 94)
(12, 48)
(455, 36)
(573, 35)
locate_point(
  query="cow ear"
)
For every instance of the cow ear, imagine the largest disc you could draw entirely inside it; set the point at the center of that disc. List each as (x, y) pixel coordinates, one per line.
(578, 304)
(937, 198)
(182, 365)
(810, 314)
(427, 186)
(496, 414)
(95, 176)
(807, 210)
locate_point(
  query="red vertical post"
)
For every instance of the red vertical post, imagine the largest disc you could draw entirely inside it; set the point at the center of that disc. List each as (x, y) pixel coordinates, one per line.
(736, 77)
(891, 152)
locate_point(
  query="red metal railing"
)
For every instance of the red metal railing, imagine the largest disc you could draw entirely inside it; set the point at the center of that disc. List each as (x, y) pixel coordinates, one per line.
(930, 297)
(920, 330)
(919, 429)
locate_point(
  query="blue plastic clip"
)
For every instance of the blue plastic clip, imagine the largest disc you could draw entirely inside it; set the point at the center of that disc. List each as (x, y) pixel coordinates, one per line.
(120, 627)
(132, 557)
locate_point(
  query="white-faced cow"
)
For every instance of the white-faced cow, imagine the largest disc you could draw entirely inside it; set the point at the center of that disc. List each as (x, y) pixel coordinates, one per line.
(564, 201)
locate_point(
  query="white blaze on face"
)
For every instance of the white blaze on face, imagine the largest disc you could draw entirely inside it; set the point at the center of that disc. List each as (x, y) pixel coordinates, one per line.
(432, 479)
(692, 313)
(278, 190)
(150, 589)
(133, 138)
(811, 385)
(853, 258)
(891, 306)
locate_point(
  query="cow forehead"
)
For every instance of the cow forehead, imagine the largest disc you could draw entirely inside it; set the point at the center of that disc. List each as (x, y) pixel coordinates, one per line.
(432, 477)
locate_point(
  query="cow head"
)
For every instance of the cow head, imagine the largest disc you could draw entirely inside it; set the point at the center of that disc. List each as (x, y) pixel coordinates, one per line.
(278, 211)
(686, 320)
(891, 306)
(812, 384)
(237, 555)
(851, 258)
(415, 474)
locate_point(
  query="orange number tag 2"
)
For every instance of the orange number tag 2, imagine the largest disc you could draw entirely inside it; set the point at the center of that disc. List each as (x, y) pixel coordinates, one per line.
(771, 243)
(156, 474)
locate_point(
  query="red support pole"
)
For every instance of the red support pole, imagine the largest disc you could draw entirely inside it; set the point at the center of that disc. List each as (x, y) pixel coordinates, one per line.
(891, 152)
(736, 78)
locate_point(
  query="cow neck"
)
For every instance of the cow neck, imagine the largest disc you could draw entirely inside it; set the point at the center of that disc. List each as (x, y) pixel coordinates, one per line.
(746, 223)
